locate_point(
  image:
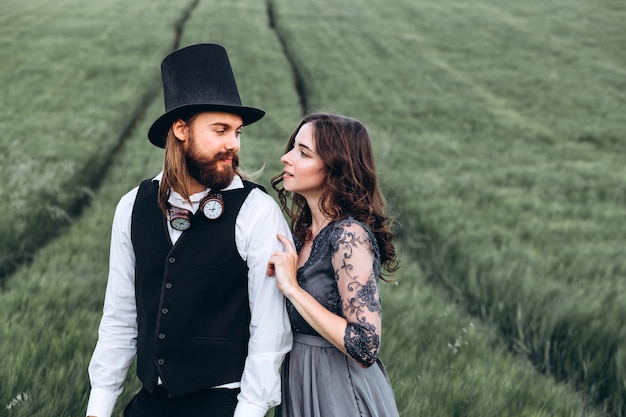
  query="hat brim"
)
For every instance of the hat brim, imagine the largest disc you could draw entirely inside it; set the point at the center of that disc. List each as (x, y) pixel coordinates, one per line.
(158, 131)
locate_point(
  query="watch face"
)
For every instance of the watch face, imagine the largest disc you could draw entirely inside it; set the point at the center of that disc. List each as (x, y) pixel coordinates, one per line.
(213, 208)
(180, 223)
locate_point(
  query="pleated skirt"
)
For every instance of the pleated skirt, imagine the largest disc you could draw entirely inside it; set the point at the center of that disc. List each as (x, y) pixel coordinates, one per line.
(318, 380)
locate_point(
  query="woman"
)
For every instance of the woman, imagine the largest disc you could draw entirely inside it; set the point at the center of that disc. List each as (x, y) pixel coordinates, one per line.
(330, 276)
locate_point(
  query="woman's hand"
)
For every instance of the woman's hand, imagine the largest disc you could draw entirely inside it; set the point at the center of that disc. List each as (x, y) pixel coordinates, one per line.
(283, 266)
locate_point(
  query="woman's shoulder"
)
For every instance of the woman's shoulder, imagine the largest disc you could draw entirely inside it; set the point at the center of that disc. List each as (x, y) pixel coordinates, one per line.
(353, 236)
(350, 224)
(349, 229)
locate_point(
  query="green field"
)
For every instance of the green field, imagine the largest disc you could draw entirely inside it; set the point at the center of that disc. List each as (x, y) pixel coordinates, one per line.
(500, 135)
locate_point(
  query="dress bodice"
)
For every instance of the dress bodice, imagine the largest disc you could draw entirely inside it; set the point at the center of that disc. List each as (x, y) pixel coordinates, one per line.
(319, 277)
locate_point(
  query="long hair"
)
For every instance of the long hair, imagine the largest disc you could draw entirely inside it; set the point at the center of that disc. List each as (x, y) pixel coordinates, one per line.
(352, 185)
(175, 172)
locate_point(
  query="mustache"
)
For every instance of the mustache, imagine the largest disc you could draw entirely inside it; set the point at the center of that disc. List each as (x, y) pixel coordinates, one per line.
(227, 155)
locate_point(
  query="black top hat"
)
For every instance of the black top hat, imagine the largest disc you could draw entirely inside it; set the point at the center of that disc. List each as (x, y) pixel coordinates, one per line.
(198, 78)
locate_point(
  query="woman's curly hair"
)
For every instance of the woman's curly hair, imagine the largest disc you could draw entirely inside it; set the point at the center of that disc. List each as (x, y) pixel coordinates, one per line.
(352, 185)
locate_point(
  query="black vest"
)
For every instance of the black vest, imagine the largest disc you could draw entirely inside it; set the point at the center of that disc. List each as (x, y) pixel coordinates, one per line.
(193, 314)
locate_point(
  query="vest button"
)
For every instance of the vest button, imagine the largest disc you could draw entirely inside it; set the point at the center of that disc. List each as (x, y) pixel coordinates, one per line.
(165, 311)
(172, 260)
(160, 361)
(168, 285)
(161, 336)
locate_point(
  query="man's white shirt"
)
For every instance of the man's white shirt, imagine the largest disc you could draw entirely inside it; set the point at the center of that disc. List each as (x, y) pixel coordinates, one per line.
(256, 227)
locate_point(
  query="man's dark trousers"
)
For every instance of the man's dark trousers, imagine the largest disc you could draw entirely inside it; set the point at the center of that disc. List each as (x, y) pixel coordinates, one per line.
(209, 402)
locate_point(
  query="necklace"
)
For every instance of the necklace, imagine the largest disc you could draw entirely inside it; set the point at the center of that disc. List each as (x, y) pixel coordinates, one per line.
(321, 226)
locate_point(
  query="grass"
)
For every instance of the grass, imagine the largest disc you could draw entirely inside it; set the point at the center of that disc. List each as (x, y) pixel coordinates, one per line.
(497, 128)
(443, 362)
(498, 138)
(73, 78)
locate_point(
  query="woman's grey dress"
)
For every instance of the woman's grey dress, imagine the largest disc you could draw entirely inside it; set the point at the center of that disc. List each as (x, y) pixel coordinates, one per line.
(318, 380)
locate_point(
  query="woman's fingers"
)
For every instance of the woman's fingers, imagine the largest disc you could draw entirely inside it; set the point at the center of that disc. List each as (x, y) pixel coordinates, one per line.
(288, 244)
(282, 265)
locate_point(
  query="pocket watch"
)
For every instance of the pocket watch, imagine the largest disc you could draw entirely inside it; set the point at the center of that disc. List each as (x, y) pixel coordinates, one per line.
(180, 219)
(212, 206)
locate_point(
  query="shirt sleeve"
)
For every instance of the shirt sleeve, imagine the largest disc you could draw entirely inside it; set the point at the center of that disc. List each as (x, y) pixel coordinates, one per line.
(353, 258)
(117, 333)
(258, 223)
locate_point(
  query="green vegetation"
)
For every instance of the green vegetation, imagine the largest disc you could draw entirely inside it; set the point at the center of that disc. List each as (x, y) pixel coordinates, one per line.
(74, 76)
(499, 132)
(444, 363)
(498, 129)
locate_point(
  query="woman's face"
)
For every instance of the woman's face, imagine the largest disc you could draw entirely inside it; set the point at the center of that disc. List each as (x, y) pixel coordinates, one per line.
(304, 169)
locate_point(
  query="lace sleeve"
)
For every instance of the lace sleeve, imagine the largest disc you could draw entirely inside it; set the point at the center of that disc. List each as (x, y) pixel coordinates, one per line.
(354, 262)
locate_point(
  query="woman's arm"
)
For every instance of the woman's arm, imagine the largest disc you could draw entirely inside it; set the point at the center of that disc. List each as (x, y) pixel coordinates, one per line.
(353, 262)
(357, 334)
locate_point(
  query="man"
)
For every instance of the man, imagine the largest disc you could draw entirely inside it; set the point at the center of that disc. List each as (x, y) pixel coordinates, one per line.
(187, 290)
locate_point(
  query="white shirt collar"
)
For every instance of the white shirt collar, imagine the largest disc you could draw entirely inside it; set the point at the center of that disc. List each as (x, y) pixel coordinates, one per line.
(177, 200)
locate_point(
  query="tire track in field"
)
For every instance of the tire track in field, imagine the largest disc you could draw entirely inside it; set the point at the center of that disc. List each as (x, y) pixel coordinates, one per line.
(95, 181)
(150, 95)
(297, 75)
(518, 335)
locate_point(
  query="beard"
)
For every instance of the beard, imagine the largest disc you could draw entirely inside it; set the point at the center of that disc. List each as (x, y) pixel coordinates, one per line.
(208, 171)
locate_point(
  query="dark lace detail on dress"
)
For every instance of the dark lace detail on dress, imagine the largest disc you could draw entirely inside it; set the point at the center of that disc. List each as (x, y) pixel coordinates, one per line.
(332, 300)
(360, 339)
(317, 247)
(341, 237)
(361, 343)
(320, 250)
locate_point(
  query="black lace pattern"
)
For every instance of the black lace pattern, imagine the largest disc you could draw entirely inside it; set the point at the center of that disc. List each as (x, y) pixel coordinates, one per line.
(356, 264)
(342, 275)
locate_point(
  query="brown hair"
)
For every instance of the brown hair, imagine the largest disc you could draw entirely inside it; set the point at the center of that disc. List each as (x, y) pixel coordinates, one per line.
(352, 185)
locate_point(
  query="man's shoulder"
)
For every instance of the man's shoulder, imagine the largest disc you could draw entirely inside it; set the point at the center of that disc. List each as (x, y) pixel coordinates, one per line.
(258, 195)
(260, 206)
(129, 197)
(252, 185)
